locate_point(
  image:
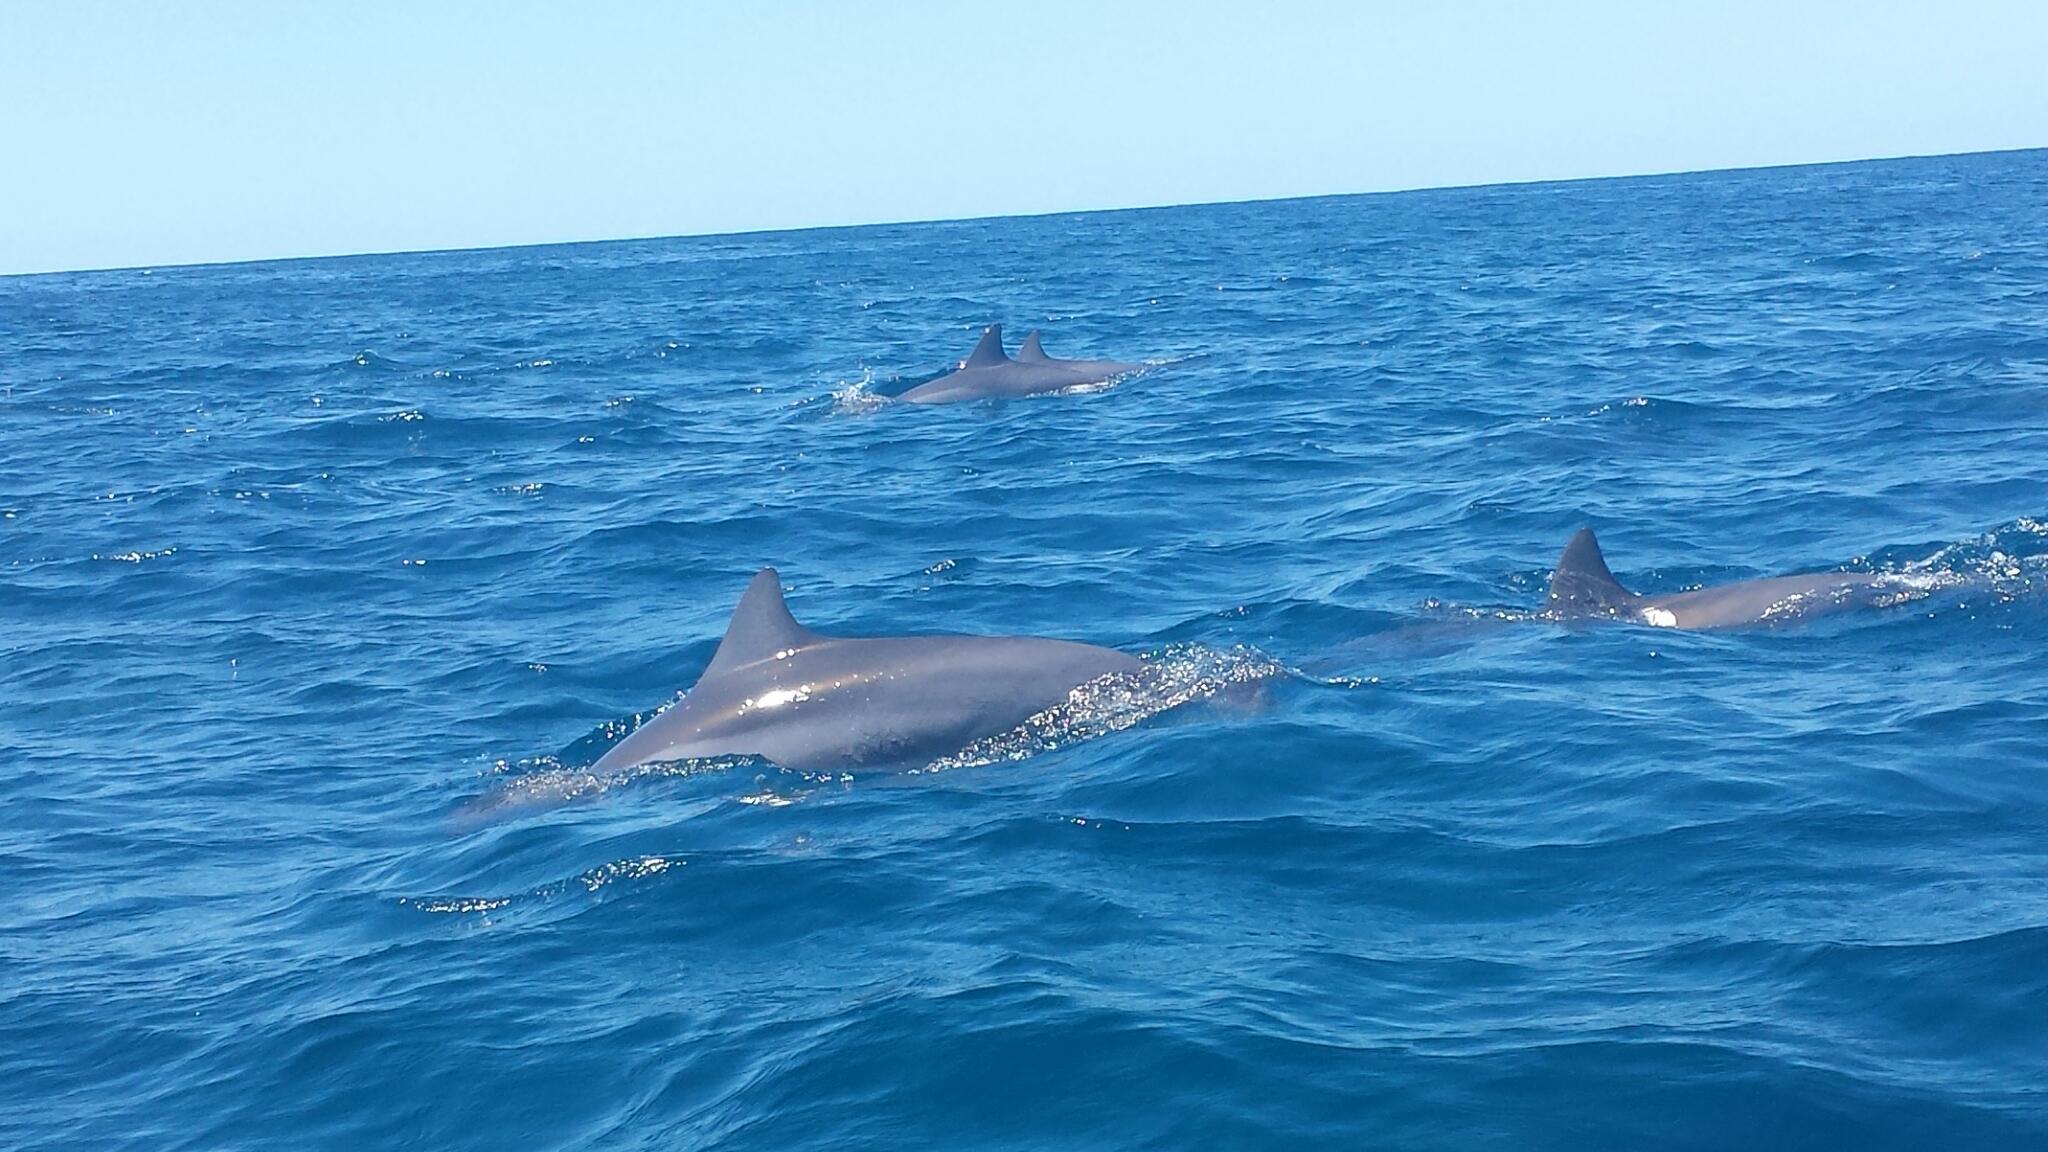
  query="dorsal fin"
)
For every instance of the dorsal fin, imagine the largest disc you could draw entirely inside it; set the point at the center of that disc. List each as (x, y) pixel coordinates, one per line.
(1582, 582)
(761, 626)
(988, 351)
(1032, 349)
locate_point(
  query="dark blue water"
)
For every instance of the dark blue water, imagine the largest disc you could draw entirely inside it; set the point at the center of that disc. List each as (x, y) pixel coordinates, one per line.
(303, 564)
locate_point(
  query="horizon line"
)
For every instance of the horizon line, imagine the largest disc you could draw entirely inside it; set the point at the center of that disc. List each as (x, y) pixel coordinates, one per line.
(786, 230)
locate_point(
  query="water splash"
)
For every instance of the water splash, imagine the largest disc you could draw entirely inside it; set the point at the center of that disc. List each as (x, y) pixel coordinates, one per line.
(1181, 674)
(2010, 561)
(590, 882)
(549, 784)
(859, 396)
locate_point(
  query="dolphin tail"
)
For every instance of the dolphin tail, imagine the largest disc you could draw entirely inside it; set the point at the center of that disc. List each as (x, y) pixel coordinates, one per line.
(989, 350)
(1032, 351)
(1582, 584)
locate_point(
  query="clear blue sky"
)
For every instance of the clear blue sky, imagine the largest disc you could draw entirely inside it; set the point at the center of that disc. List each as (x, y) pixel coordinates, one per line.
(157, 133)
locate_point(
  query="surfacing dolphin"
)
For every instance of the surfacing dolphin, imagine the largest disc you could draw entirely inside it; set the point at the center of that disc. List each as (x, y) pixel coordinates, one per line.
(1583, 587)
(804, 701)
(988, 373)
(1096, 371)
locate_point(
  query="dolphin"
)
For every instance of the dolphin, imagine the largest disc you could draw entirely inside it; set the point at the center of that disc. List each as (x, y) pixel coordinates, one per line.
(810, 702)
(989, 373)
(1096, 371)
(1583, 587)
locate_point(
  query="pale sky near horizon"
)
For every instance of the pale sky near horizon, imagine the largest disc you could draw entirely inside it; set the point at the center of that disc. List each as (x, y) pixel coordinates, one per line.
(141, 134)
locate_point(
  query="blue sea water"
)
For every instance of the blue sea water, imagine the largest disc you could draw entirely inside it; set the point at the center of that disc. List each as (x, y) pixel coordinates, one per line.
(323, 583)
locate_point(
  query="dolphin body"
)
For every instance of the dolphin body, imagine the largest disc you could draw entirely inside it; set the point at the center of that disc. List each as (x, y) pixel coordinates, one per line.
(1583, 587)
(988, 373)
(808, 702)
(1096, 371)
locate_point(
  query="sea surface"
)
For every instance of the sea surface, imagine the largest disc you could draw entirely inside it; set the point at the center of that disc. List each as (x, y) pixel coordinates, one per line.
(323, 584)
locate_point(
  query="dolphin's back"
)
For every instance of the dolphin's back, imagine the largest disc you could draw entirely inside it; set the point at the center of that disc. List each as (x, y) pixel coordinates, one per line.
(1582, 585)
(900, 701)
(988, 373)
(777, 690)
(841, 704)
(994, 382)
(1776, 600)
(1096, 371)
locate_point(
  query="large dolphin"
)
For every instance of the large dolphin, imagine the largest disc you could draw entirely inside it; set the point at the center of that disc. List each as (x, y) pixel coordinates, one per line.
(778, 690)
(989, 373)
(1096, 371)
(1582, 586)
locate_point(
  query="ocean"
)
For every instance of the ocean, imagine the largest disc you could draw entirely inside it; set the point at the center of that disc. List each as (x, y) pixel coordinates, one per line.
(325, 582)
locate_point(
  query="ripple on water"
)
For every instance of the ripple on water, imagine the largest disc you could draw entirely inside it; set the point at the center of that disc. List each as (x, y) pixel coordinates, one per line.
(324, 583)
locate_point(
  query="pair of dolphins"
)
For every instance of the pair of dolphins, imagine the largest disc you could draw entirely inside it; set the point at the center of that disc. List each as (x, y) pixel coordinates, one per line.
(816, 703)
(989, 373)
